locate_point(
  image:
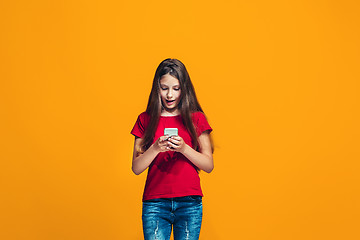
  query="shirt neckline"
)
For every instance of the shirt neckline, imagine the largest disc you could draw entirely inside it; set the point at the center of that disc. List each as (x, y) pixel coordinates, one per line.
(179, 115)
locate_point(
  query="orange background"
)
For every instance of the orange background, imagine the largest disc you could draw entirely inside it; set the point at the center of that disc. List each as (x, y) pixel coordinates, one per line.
(278, 80)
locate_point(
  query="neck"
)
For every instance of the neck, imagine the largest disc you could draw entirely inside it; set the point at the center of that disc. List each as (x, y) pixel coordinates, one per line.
(175, 112)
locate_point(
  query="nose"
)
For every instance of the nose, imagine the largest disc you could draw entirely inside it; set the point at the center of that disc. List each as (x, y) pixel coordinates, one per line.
(169, 93)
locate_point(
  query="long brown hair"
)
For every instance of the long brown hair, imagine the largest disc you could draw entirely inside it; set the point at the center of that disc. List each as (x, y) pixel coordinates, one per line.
(187, 105)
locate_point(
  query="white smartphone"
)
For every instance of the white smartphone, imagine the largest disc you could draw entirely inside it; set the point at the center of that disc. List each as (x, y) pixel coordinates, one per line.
(170, 132)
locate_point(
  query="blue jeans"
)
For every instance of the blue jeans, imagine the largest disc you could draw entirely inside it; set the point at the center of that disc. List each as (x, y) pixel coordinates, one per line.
(182, 213)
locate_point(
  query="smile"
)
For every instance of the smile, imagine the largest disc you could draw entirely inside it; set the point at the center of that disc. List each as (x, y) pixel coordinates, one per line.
(170, 102)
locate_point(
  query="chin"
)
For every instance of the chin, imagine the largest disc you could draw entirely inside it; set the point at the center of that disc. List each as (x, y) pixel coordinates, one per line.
(171, 109)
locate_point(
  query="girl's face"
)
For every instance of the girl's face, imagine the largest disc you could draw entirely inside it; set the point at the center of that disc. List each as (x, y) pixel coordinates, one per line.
(170, 92)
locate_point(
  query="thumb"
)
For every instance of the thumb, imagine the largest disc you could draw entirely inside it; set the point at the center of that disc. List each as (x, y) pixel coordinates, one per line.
(162, 138)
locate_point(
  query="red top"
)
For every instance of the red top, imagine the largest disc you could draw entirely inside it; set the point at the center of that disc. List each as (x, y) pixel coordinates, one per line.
(171, 174)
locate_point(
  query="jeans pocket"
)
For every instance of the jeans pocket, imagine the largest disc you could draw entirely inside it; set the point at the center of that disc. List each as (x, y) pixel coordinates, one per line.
(195, 198)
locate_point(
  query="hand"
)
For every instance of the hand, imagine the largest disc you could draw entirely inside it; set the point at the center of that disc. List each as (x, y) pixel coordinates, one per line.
(161, 144)
(176, 143)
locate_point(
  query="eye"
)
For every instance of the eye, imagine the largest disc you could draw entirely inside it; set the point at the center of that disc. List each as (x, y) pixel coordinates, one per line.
(176, 89)
(163, 88)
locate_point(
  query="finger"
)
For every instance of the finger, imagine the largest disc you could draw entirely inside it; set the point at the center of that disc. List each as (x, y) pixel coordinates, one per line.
(178, 138)
(167, 147)
(163, 138)
(174, 141)
(170, 149)
(172, 145)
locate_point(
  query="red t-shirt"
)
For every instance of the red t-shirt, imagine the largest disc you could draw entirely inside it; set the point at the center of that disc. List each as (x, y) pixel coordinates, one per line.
(171, 174)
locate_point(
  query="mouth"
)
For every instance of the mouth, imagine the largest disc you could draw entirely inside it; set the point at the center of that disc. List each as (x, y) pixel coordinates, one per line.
(170, 102)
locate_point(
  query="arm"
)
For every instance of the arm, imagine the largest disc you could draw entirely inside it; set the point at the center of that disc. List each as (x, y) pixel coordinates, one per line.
(203, 159)
(143, 161)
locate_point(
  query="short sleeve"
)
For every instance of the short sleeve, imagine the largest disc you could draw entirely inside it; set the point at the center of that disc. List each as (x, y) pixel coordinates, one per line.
(200, 122)
(140, 125)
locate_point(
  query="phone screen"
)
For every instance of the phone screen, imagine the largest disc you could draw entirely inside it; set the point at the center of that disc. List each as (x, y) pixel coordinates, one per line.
(170, 132)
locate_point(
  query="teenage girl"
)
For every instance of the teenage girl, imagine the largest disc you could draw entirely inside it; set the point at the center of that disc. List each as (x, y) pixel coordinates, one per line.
(172, 195)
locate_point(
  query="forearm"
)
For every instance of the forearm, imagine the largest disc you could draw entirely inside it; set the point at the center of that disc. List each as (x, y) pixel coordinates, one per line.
(201, 160)
(143, 161)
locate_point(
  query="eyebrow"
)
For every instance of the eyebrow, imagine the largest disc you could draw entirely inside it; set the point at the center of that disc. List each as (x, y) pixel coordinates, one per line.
(164, 85)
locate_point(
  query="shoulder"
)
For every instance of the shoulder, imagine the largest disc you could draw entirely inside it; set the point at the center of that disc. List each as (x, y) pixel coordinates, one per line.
(198, 116)
(200, 122)
(144, 117)
(144, 114)
(141, 124)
